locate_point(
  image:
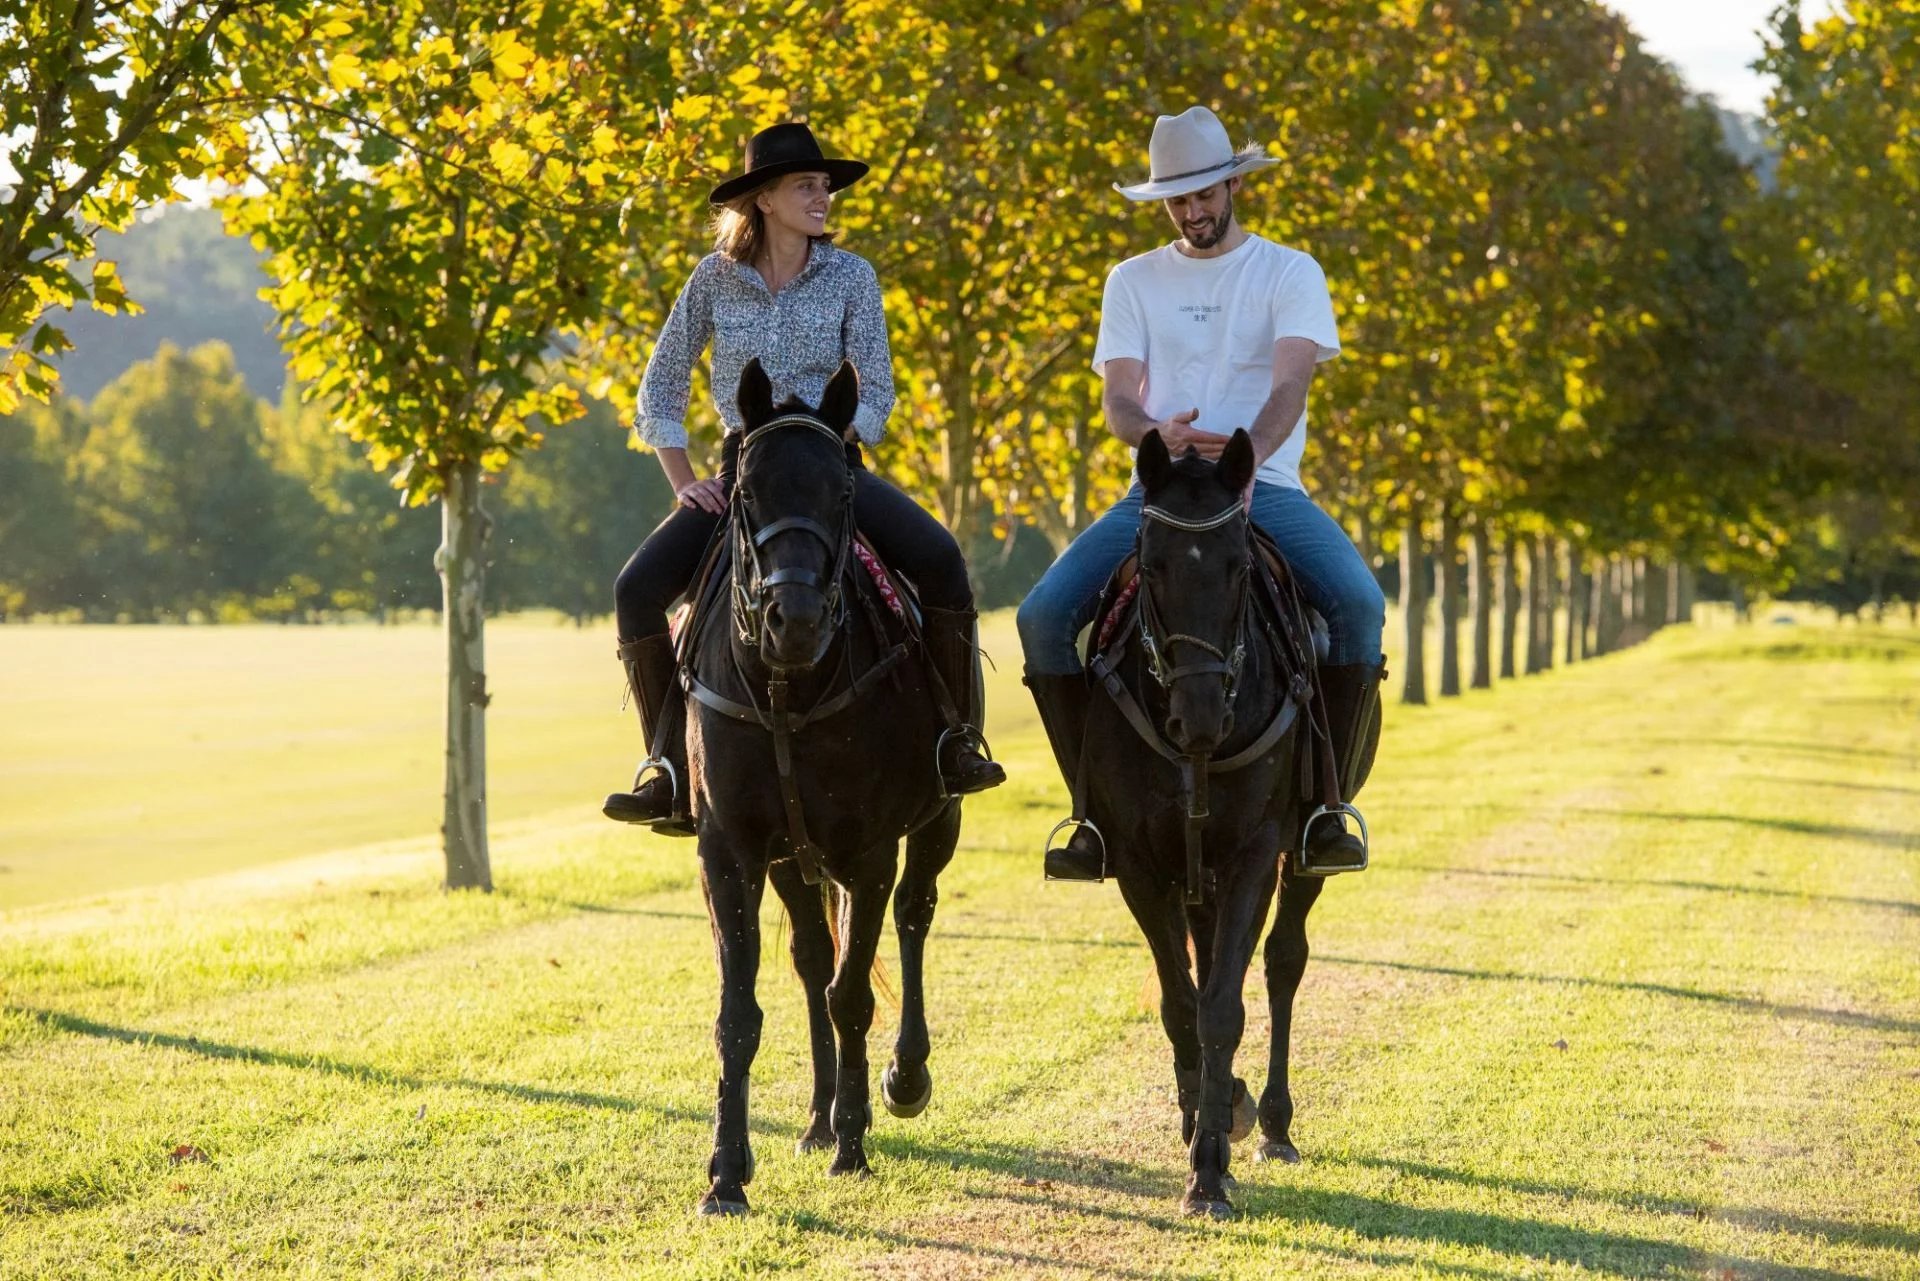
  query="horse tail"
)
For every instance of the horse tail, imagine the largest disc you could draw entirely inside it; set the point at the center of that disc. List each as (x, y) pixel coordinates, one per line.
(833, 900)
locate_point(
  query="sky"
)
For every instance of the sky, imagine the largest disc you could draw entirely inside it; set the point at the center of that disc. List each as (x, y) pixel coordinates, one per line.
(1711, 42)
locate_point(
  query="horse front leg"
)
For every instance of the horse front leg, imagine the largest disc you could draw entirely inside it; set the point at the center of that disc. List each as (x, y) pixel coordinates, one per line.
(1286, 962)
(906, 1087)
(812, 949)
(850, 1003)
(1161, 915)
(1235, 919)
(733, 907)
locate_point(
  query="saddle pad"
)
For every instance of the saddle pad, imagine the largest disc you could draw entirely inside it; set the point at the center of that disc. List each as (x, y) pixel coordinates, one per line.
(882, 580)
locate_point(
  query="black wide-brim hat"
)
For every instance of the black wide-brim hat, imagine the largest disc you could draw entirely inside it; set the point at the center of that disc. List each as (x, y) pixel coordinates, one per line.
(784, 149)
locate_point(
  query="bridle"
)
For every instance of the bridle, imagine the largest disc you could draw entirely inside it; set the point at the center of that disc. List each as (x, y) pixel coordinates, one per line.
(1156, 642)
(752, 584)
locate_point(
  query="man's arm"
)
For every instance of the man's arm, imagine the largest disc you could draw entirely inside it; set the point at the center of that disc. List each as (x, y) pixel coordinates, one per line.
(1121, 380)
(1293, 364)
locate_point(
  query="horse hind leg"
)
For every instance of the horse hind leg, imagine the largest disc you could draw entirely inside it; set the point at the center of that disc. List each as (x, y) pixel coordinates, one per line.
(906, 1087)
(812, 948)
(850, 1004)
(733, 906)
(1286, 956)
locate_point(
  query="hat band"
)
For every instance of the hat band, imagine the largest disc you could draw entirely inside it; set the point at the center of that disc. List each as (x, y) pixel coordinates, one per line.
(1194, 173)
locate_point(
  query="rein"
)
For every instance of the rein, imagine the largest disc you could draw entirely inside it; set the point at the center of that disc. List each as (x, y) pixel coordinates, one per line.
(1155, 644)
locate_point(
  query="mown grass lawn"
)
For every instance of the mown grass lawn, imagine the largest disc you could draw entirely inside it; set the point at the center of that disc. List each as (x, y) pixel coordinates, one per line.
(1632, 990)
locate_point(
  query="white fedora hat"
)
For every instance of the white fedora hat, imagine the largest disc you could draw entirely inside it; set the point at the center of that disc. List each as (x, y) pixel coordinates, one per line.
(1189, 152)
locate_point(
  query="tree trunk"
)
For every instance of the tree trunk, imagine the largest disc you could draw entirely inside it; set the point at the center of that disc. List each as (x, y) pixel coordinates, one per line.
(1674, 574)
(462, 565)
(1368, 545)
(1576, 605)
(1547, 560)
(1535, 555)
(1447, 565)
(1413, 608)
(1596, 610)
(1480, 584)
(1684, 576)
(1658, 596)
(1509, 602)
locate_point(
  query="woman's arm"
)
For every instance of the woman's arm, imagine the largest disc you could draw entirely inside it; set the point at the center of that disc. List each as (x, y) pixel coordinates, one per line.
(866, 343)
(668, 383)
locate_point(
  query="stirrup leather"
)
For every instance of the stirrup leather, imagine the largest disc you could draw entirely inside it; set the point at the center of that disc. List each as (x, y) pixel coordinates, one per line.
(1321, 814)
(1075, 824)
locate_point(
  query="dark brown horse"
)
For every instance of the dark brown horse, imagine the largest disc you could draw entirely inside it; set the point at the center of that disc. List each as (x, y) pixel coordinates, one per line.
(811, 740)
(1194, 774)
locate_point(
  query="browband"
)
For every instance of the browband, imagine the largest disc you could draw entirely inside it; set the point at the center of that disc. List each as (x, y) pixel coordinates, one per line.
(1166, 517)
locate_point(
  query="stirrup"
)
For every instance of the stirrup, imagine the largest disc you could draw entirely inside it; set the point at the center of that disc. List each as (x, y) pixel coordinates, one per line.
(1077, 824)
(967, 733)
(677, 822)
(1304, 867)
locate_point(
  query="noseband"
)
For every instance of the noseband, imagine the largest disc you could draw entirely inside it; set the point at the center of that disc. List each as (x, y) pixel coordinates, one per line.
(1156, 642)
(751, 596)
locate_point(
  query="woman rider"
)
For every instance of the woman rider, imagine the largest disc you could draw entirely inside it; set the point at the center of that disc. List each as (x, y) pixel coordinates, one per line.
(777, 289)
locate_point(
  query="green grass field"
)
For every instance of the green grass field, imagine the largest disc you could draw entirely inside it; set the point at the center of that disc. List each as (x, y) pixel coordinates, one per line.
(1631, 990)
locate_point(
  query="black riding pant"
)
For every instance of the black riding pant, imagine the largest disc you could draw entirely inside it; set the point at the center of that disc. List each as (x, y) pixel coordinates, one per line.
(907, 538)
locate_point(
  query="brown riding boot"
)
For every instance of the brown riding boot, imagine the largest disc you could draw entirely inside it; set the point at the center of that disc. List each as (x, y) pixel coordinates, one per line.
(1352, 694)
(1062, 701)
(659, 795)
(952, 637)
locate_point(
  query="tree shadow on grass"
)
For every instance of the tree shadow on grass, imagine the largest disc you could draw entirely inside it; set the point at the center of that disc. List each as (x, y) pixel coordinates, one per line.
(1810, 1013)
(1889, 838)
(1704, 887)
(1791, 748)
(366, 1073)
(1840, 784)
(1868, 1235)
(1394, 1224)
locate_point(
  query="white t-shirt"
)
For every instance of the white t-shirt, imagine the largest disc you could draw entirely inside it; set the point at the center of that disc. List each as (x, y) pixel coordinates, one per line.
(1206, 328)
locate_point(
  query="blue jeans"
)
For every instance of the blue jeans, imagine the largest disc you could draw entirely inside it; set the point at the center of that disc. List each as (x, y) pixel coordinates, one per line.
(1332, 576)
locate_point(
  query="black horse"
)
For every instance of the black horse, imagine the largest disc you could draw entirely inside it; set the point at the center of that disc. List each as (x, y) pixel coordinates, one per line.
(1200, 772)
(812, 737)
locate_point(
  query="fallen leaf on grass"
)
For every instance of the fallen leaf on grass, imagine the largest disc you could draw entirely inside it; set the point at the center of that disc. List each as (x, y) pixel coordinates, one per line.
(421, 1114)
(299, 936)
(1043, 1184)
(1561, 1044)
(181, 1187)
(554, 963)
(1714, 1145)
(185, 1154)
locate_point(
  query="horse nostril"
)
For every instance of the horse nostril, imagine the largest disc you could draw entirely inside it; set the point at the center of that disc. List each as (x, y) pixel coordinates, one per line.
(1176, 729)
(774, 616)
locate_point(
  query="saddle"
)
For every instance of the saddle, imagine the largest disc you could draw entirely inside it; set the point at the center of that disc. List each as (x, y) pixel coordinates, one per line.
(1278, 600)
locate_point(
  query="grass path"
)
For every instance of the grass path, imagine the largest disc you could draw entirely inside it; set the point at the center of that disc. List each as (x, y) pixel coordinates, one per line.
(1630, 991)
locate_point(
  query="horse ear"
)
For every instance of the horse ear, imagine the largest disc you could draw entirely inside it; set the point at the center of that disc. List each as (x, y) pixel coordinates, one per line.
(842, 398)
(756, 395)
(1153, 462)
(1236, 461)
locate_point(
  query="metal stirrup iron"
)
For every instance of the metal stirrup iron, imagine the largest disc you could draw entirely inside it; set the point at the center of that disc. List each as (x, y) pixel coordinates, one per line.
(1334, 813)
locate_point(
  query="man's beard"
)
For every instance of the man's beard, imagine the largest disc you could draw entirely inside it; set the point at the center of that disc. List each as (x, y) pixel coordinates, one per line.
(1216, 229)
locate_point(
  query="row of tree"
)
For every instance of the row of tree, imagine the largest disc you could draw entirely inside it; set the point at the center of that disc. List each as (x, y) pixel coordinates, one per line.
(176, 493)
(1572, 318)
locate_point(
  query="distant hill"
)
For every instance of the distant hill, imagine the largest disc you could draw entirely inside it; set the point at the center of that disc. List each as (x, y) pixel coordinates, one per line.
(197, 284)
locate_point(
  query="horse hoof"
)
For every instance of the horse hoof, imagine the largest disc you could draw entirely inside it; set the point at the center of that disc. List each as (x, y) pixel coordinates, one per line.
(1277, 1150)
(810, 1143)
(1246, 1113)
(844, 1169)
(1229, 1184)
(892, 1088)
(1195, 1206)
(713, 1205)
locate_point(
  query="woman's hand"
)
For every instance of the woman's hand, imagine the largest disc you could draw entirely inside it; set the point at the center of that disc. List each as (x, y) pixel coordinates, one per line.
(705, 495)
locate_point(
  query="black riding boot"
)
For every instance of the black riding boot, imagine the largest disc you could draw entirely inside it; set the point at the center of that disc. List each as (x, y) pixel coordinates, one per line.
(1352, 694)
(953, 644)
(659, 794)
(1062, 701)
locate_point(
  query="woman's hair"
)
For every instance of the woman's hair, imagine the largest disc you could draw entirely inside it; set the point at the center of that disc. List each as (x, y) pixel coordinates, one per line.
(739, 228)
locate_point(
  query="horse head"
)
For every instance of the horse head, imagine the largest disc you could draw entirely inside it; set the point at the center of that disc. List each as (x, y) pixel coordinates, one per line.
(792, 519)
(1195, 561)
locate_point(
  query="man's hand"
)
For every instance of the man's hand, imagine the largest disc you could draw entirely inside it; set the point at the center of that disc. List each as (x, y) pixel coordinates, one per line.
(1178, 433)
(704, 495)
